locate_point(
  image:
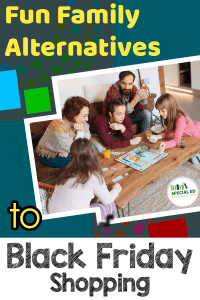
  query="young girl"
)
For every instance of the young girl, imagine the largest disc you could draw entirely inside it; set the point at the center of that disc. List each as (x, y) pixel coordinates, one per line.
(116, 119)
(81, 180)
(177, 124)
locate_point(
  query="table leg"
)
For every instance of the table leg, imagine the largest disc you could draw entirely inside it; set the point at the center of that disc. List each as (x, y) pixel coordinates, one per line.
(122, 212)
(118, 213)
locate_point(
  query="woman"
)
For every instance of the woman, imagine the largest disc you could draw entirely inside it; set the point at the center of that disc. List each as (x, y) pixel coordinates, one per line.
(54, 146)
(81, 181)
(115, 119)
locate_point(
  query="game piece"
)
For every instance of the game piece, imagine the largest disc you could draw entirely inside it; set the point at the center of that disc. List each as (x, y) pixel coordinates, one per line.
(144, 157)
(105, 169)
(113, 168)
(126, 174)
(117, 178)
(117, 153)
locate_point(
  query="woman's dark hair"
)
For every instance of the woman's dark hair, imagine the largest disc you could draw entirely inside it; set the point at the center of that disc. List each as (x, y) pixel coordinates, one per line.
(73, 106)
(167, 101)
(83, 163)
(111, 106)
(123, 74)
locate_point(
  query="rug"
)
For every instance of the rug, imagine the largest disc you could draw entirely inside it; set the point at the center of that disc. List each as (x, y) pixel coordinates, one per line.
(154, 198)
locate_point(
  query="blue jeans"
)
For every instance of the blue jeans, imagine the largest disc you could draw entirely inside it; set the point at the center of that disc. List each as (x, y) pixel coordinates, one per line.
(141, 116)
(56, 162)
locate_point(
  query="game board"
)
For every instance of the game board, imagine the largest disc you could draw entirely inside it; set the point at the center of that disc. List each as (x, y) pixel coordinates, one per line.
(141, 157)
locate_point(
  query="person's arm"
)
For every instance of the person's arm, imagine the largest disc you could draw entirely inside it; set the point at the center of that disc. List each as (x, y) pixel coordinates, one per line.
(82, 131)
(166, 134)
(154, 138)
(128, 133)
(129, 108)
(102, 192)
(87, 131)
(178, 133)
(140, 94)
(80, 134)
(103, 132)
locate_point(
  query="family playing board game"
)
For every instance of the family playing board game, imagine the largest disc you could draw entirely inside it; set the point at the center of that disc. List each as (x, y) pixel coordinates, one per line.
(66, 143)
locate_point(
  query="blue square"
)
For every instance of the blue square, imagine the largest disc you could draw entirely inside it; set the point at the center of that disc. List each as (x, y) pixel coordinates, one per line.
(9, 92)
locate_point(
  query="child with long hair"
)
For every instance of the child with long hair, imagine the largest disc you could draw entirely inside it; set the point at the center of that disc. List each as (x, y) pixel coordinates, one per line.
(176, 122)
(81, 180)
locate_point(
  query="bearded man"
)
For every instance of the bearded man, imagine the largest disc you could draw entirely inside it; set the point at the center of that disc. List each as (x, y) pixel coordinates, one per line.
(125, 89)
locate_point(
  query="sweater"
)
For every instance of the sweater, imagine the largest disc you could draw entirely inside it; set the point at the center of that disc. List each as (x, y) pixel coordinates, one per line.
(99, 125)
(114, 92)
(67, 198)
(58, 138)
(182, 128)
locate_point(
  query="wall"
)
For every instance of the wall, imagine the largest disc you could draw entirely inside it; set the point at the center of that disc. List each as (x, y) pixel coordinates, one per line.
(172, 75)
(74, 87)
(195, 75)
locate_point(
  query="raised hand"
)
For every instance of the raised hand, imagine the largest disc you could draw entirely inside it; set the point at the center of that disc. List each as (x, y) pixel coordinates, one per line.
(137, 97)
(116, 126)
(79, 127)
(117, 187)
(153, 139)
(162, 147)
(135, 141)
(143, 93)
(63, 154)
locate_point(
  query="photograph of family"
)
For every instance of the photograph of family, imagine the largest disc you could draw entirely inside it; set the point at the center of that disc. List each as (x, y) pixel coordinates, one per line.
(121, 139)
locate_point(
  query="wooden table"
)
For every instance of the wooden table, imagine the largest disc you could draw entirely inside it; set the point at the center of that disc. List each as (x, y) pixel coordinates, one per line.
(137, 181)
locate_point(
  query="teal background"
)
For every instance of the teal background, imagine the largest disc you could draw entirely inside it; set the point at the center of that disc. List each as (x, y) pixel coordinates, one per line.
(174, 24)
(16, 184)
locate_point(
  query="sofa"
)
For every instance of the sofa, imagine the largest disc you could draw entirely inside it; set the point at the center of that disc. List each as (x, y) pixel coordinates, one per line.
(49, 175)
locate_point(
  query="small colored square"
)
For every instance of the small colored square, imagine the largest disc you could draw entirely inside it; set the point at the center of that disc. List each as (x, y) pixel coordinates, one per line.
(37, 100)
(9, 92)
(168, 229)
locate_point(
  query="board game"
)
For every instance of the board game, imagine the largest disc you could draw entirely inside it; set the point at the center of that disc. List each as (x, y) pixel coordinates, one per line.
(141, 158)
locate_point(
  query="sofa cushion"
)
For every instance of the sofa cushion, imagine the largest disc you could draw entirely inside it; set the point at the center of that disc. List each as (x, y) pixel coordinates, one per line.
(96, 93)
(135, 128)
(95, 109)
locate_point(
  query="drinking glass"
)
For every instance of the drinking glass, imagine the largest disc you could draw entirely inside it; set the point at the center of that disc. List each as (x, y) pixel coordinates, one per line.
(148, 132)
(182, 143)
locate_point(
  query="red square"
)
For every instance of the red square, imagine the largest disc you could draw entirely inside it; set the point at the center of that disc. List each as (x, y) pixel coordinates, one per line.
(170, 229)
